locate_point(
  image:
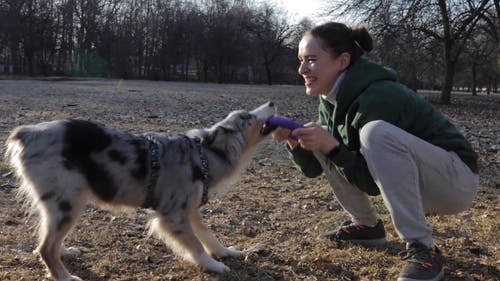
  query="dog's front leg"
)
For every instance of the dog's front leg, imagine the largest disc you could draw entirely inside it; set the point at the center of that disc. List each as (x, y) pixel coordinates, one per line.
(209, 241)
(176, 231)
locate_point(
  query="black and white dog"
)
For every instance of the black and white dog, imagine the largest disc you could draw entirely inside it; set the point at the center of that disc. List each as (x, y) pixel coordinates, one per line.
(62, 164)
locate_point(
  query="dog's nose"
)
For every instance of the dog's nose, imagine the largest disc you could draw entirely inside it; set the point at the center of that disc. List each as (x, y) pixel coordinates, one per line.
(271, 104)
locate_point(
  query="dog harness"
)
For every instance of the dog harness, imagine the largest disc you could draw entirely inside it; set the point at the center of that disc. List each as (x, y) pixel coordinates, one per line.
(154, 151)
(204, 170)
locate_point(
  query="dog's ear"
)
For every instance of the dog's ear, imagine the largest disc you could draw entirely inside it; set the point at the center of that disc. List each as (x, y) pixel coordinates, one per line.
(206, 136)
(227, 127)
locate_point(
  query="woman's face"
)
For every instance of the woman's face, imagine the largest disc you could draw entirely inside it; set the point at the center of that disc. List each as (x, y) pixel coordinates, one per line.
(318, 67)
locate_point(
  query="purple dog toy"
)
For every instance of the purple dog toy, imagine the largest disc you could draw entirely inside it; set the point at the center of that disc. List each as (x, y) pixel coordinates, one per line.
(277, 121)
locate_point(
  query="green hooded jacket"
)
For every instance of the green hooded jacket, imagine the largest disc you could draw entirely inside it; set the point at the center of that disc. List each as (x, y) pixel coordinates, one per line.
(371, 92)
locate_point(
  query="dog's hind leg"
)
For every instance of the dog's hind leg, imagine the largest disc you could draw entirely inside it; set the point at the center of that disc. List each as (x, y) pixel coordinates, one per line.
(176, 231)
(209, 241)
(58, 215)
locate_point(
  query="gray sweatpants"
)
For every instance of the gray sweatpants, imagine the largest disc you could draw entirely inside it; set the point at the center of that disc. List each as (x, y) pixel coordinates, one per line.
(414, 177)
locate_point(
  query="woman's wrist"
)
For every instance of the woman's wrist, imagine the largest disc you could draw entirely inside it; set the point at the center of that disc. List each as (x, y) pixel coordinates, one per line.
(333, 152)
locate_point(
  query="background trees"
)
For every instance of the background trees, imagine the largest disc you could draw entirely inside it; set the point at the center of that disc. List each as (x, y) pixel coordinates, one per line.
(414, 35)
(211, 41)
(432, 44)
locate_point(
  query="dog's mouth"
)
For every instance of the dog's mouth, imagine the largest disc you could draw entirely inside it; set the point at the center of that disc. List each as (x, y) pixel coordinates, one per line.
(267, 129)
(263, 113)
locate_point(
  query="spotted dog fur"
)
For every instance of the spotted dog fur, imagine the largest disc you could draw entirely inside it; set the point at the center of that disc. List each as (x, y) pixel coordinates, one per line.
(63, 164)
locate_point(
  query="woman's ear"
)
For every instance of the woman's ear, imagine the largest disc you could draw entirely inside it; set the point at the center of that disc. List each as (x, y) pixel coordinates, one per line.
(345, 60)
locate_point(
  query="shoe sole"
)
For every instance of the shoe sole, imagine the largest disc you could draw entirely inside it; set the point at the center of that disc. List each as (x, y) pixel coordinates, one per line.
(367, 243)
(439, 277)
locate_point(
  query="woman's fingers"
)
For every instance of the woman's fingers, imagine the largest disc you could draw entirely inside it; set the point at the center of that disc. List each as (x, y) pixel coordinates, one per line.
(281, 134)
(314, 137)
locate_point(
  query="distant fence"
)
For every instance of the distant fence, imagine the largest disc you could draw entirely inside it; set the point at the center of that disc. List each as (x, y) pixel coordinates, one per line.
(4, 68)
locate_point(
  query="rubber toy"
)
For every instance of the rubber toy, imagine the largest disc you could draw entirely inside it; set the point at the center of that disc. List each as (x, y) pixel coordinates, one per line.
(278, 121)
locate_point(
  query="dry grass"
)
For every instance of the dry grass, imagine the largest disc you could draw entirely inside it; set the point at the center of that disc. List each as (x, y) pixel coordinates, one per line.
(273, 212)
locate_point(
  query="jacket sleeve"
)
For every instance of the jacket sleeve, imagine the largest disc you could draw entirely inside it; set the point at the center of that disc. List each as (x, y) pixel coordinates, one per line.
(352, 166)
(305, 161)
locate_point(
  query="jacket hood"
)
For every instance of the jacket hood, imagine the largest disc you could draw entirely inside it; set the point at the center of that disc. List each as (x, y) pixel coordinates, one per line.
(360, 76)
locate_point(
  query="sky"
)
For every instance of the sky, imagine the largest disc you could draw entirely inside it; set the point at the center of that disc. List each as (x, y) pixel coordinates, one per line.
(299, 9)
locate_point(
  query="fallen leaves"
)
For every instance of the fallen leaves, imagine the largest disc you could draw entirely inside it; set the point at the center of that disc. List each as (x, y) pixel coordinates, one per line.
(273, 212)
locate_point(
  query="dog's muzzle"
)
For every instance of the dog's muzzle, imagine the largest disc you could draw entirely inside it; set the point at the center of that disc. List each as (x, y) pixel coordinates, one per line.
(263, 113)
(267, 129)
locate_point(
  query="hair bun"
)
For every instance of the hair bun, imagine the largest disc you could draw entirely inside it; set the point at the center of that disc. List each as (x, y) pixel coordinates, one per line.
(362, 38)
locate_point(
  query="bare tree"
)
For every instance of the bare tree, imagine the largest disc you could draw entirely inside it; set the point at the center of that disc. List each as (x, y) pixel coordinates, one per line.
(158, 39)
(449, 22)
(478, 57)
(223, 41)
(3, 39)
(13, 33)
(271, 33)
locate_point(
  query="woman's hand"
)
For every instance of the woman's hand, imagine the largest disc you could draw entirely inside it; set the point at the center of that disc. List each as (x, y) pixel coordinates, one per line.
(314, 137)
(282, 134)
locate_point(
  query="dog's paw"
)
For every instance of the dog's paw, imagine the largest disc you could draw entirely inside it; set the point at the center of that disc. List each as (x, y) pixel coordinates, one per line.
(70, 252)
(232, 252)
(219, 267)
(210, 264)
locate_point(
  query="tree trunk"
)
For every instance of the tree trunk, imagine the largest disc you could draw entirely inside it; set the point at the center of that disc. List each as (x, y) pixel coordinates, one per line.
(220, 70)
(268, 73)
(448, 46)
(205, 71)
(449, 74)
(474, 78)
(448, 86)
(30, 61)
(14, 61)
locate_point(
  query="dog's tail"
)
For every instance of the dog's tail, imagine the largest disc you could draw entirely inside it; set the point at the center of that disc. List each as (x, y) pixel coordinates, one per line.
(30, 143)
(15, 151)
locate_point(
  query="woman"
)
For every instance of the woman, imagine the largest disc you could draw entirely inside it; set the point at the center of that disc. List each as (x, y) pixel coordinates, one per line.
(376, 136)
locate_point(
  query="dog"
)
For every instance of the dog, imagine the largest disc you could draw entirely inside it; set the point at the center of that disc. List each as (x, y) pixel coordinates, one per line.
(63, 164)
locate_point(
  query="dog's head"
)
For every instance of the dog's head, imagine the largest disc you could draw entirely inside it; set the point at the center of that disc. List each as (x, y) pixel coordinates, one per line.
(238, 131)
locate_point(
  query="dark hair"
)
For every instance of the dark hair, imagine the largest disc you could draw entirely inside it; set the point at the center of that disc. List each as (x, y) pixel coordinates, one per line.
(337, 38)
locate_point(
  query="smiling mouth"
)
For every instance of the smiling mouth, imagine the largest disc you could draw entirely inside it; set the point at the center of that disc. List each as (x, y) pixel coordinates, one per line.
(309, 81)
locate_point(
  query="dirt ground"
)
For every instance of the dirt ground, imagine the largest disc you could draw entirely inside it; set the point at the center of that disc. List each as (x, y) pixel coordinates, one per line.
(273, 212)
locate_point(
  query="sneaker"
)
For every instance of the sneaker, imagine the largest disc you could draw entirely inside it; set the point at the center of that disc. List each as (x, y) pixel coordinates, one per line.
(358, 234)
(423, 264)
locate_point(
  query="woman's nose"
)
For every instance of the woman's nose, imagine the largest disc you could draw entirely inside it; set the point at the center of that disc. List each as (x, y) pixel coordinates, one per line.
(302, 68)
